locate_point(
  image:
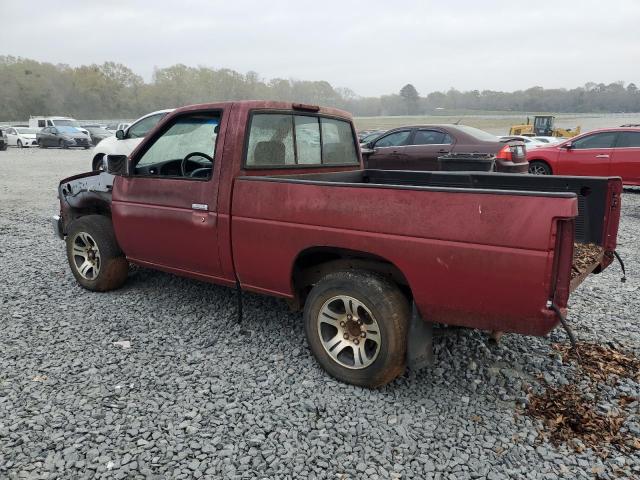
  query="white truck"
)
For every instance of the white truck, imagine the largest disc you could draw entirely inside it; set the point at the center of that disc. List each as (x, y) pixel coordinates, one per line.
(39, 122)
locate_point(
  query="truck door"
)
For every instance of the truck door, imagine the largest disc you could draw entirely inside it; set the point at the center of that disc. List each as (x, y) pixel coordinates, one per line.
(165, 212)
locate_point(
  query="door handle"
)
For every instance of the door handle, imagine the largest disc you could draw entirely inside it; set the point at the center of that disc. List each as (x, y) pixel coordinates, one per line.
(602, 156)
(443, 151)
(200, 206)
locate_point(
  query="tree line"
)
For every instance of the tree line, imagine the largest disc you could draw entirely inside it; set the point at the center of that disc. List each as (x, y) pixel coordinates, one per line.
(113, 91)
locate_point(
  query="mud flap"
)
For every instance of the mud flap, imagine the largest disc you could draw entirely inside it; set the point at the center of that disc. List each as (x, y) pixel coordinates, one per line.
(419, 341)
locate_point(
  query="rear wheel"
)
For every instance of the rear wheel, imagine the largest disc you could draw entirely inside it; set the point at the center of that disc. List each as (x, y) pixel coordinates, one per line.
(94, 256)
(356, 325)
(537, 167)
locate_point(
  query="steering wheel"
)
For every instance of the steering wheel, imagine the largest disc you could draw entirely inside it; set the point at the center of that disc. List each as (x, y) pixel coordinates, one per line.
(183, 163)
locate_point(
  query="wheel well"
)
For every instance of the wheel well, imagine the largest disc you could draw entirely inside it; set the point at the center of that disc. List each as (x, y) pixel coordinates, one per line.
(540, 160)
(313, 264)
(96, 158)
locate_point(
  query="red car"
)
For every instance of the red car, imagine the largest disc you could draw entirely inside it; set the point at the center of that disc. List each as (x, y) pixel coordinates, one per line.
(600, 153)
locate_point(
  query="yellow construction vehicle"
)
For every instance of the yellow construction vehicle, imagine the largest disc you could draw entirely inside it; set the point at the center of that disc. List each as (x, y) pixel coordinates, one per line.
(542, 126)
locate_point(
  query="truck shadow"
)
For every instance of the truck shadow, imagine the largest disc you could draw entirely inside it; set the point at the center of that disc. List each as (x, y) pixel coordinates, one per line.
(466, 364)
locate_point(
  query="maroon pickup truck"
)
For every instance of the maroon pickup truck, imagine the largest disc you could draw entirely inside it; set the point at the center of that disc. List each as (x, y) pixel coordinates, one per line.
(270, 197)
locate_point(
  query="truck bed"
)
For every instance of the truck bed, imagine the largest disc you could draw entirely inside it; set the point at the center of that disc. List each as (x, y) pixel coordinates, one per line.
(591, 192)
(482, 250)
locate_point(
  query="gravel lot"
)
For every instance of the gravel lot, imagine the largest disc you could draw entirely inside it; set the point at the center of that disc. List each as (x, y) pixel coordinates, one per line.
(255, 404)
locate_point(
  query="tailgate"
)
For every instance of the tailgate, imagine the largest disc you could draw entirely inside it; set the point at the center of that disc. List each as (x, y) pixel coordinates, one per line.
(596, 230)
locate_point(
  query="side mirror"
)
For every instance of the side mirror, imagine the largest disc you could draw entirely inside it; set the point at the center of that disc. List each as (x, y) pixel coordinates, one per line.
(116, 164)
(120, 134)
(568, 146)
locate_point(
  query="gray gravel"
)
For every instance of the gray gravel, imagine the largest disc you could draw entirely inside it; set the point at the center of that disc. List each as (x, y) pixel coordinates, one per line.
(77, 400)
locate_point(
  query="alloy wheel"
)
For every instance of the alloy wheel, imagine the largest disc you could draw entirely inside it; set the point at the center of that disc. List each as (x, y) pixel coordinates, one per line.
(86, 256)
(349, 332)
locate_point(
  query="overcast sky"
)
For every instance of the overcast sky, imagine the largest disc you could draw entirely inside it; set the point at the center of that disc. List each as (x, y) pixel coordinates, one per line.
(372, 47)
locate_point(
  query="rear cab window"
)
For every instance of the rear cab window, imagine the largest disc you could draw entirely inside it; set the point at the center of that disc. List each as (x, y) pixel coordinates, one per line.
(294, 140)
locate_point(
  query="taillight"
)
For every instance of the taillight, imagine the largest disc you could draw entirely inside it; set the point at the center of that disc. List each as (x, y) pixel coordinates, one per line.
(505, 153)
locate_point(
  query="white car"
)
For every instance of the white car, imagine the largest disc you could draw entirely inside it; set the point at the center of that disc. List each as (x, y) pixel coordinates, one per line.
(125, 141)
(21, 137)
(550, 140)
(530, 142)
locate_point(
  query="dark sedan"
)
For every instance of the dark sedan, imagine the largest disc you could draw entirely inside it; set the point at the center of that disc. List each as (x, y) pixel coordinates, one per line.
(97, 133)
(62, 137)
(418, 148)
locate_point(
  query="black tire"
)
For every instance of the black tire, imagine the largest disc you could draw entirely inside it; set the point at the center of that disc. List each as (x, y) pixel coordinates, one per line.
(3, 146)
(111, 268)
(61, 144)
(390, 311)
(538, 167)
(41, 143)
(19, 144)
(96, 165)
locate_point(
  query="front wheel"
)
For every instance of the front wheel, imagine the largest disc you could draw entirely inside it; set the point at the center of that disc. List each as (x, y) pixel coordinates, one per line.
(539, 168)
(19, 144)
(62, 144)
(356, 325)
(94, 256)
(41, 143)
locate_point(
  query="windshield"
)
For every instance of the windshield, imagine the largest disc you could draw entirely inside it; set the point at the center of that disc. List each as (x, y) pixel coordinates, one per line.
(67, 129)
(477, 133)
(26, 131)
(66, 123)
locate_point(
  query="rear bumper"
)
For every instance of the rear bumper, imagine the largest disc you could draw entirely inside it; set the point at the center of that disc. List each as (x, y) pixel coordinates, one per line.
(56, 223)
(510, 167)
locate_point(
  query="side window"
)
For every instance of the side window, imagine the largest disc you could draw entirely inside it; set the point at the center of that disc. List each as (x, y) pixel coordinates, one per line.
(271, 140)
(11, 131)
(281, 140)
(429, 137)
(140, 129)
(394, 139)
(186, 149)
(49, 123)
(53, 130)
(338, 146)
(41, 124)
(597, 140)
(628, 140)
